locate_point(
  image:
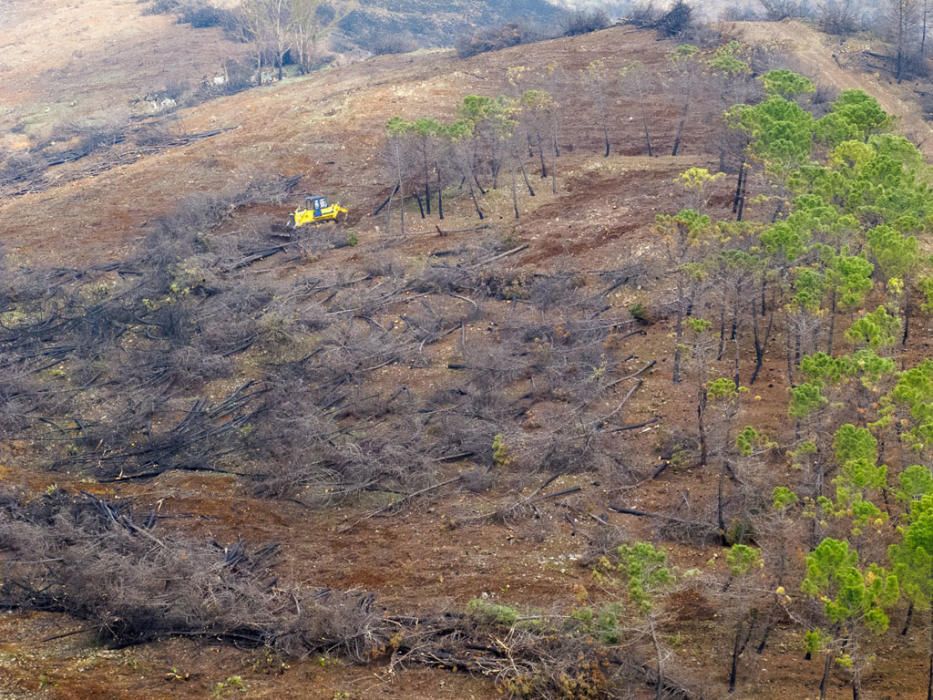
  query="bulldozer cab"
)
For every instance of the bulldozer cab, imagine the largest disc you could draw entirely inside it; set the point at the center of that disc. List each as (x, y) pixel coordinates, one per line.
(316, 202)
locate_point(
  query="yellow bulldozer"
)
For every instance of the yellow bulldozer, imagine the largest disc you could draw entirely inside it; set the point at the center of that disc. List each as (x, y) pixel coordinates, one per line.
(318, 210)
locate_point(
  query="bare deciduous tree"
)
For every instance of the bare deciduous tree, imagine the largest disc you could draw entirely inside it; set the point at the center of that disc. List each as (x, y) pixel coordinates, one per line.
(782, 9)
(903, 22)
(281, 28)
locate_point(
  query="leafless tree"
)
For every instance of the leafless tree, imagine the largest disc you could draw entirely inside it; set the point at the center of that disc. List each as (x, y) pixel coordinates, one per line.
(923, 30)
(307, 28)
(399, 161)
(783, 9)
(280, 27)
(903, 20)
(635, 85)
(596, 80)
(839, 16)
(687, 73)
(252, 28)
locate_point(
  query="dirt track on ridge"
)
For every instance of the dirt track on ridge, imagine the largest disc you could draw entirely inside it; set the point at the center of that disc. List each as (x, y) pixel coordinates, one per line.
(819, 58)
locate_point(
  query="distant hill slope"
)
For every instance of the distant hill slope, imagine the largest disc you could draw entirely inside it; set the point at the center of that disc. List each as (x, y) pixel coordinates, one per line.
(92, 61)
(825, 59)
(425, 24)
(75, 61)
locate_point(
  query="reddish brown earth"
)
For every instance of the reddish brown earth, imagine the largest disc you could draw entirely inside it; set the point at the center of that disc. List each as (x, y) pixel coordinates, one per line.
(328, 129)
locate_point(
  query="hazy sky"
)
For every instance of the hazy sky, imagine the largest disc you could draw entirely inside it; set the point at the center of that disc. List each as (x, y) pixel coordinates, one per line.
(619, 7)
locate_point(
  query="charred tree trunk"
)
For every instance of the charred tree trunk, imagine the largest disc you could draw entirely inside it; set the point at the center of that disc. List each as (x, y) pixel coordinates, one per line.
(742, 636)
(778, 210)
(479, 212)
(515, 193)
(923, 30)
(678, 339)
(531, 191)
(930, 657)
(908, 619)
(427, 184)
(824, 680)
(907, 311)
(401, 186)
(740, 214)
(541, 156)
(741, 192)
(388, 208)
(440, 195)
(401, 212)
(721, 508)
(680, 126)
(734, 333)
(760, 649)
(764, 289)
(738, 188)
(722, 330)
(658, 659)
(701, 425)
(832, 323)
(644, 119)
(735, 366)
(386, 202)
(760, 342)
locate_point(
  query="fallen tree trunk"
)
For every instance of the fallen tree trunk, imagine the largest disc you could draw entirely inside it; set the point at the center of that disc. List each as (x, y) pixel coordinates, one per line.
(661, 516)
(90, 558)
(513, 251)
(518, 508)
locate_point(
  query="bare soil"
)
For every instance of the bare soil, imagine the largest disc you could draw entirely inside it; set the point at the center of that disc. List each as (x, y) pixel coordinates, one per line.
(328, 128)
